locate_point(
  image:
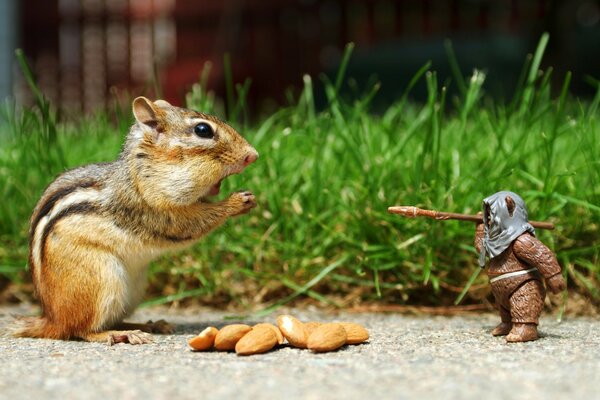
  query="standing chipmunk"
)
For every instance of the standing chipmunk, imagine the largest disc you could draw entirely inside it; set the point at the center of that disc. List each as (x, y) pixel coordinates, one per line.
(97, 227)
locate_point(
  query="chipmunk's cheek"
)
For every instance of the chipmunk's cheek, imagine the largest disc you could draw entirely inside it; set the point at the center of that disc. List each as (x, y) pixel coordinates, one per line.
(208, 178)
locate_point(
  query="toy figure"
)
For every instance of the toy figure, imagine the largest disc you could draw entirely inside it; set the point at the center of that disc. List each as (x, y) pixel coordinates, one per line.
(518, 260)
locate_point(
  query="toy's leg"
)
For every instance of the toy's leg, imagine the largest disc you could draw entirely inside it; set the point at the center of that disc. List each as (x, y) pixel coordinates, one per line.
(526, 304)
(505, 326)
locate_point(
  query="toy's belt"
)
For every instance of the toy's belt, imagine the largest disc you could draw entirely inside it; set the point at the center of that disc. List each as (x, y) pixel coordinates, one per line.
(511, 274)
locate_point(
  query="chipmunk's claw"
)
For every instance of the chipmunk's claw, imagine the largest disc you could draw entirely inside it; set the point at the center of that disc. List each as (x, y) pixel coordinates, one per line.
(245, 201)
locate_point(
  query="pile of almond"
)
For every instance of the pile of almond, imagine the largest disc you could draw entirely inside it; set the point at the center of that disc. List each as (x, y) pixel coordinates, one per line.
(246, 340)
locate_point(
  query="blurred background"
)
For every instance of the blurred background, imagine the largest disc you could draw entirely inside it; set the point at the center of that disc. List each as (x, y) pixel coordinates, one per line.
(83, 52)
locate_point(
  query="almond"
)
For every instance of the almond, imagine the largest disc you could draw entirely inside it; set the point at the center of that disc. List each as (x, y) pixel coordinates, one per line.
(278, 333)
(204, 340)
(327, 337)
(229, 335)
(311, 326)
(355, 333)
(293, 330)
(259, 340)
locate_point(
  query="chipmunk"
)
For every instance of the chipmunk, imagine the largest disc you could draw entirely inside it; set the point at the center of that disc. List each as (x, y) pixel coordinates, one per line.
(96, 227)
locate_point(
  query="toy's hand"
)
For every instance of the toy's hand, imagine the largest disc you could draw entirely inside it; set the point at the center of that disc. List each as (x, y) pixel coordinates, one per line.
(556, 283)
(479, 233)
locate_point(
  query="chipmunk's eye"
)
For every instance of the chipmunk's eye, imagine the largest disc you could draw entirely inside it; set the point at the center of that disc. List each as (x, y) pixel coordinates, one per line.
(204, 131)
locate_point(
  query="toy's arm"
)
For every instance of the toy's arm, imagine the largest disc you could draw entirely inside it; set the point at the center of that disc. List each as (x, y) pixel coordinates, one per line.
(533, 252)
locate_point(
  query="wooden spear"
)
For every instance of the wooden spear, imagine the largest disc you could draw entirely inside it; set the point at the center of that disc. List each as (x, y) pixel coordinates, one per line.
(411, 212)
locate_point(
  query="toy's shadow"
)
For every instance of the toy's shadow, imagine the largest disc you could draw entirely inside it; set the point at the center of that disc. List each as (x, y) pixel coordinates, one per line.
(550, 336)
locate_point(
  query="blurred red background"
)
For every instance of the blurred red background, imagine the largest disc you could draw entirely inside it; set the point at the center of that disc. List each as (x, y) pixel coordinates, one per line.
(83, 52)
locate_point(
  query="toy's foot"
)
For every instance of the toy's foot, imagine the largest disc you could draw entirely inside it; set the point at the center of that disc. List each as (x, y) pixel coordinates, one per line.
(522, 333)
(502, 329)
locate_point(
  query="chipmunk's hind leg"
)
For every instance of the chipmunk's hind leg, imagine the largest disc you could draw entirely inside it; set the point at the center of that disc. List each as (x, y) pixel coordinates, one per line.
(113, 337)
(37, 327)
(160, 326)
(68, 292)
(125, 332)
(85, 294)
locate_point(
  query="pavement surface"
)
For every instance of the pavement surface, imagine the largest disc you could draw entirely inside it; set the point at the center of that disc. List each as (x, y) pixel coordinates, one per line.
(407, 357)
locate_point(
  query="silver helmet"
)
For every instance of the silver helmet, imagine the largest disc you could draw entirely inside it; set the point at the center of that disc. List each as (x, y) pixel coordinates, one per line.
(504, 220)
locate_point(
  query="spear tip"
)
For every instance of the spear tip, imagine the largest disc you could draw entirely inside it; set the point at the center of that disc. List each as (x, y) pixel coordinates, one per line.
(407, 211)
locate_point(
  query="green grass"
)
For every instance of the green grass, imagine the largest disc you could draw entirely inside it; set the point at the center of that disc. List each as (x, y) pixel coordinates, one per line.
(326, 177)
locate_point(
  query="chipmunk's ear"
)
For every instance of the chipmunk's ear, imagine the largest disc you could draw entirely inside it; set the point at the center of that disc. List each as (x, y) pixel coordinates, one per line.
(145, 111)
(163, 103)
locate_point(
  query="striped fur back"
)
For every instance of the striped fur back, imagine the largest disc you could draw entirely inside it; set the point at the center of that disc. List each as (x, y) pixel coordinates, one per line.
(77, 191)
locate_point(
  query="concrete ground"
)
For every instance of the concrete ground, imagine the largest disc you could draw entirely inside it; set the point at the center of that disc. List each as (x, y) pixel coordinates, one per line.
(407, 357)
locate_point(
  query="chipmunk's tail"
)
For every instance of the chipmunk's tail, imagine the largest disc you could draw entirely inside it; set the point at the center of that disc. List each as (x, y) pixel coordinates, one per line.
(36, 327)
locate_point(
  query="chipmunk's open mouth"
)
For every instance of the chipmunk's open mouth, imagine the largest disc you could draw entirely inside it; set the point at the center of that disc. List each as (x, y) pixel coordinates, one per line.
(215, 189)
(238, 169)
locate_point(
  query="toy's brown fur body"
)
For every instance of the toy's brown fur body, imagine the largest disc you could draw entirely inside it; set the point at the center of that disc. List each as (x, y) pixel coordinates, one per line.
(520, 299)
(97, 227)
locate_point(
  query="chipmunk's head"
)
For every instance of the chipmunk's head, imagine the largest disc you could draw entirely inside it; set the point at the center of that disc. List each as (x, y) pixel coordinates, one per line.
(180, 156)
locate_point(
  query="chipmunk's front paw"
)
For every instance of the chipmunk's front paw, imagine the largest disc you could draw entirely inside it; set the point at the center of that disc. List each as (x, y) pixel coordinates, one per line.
(242, 202)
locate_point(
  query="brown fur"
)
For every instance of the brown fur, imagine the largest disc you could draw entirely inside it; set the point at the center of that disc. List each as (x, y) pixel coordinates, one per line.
(520, 299)
(95, 228)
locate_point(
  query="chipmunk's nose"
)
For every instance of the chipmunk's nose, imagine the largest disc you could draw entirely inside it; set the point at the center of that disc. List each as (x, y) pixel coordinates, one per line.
(250, 158)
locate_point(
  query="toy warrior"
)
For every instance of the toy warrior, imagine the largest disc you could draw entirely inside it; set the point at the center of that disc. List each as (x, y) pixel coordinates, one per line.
(518, 261)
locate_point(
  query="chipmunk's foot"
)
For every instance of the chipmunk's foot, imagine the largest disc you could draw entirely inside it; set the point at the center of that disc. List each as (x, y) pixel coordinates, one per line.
(131, 337)
(522, 333)
(160, 326)
(502, 329)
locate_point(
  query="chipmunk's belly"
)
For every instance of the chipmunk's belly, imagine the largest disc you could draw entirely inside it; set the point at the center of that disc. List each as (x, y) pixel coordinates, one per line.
(135, 263)
(125, 282)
